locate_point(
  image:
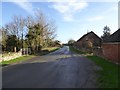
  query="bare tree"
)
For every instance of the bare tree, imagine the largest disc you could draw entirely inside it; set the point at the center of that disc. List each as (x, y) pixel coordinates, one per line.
(16, 27)
(48, 27)
(37, 31)
(19, 23)
(41, 30)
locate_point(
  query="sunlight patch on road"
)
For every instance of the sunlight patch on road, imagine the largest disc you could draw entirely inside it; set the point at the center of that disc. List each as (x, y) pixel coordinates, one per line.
(52, 58)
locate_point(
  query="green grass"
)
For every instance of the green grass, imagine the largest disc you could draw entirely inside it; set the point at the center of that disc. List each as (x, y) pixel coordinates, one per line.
(16, 60)
(23, 58)
(48, 50)
(76, 50)
(108, 76)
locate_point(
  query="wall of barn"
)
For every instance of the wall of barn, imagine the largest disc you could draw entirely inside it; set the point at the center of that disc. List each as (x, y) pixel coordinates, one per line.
(111, 51)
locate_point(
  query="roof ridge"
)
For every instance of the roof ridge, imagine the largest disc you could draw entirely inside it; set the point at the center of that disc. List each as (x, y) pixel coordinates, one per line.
(88, 34)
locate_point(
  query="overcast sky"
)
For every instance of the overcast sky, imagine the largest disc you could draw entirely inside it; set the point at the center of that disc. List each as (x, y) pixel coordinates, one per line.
(73, 19)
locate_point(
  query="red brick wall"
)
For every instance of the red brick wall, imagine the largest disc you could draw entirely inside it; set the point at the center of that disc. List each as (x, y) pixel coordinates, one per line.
(111, 51)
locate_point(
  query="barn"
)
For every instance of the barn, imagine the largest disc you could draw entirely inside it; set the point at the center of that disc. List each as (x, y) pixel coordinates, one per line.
(111, 47)
(88, 41)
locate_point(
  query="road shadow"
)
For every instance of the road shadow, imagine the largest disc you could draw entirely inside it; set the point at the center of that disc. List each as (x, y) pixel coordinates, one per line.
(4, 65)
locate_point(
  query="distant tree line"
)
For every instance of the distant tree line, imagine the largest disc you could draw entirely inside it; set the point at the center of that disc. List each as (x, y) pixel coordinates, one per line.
(71, 42)
(34, 32)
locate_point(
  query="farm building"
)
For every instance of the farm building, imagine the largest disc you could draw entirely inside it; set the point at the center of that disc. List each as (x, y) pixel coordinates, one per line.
(111, 47)
(88, 41)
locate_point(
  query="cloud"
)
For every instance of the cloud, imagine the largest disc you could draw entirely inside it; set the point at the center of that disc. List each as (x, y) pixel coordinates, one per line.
(112, 9)
(69, 9)
(56, 0)
(68, 18)
(96, 18)
(81, 0)
(62, 0)
(25, 4)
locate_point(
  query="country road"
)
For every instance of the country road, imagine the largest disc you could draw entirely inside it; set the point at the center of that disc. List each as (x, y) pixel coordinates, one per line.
(59, 69)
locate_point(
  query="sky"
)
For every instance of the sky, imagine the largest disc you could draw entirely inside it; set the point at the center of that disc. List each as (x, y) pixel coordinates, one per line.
(73, 18)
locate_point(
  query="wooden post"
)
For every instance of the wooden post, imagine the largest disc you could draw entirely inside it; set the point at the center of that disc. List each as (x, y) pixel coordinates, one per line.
(14, 49)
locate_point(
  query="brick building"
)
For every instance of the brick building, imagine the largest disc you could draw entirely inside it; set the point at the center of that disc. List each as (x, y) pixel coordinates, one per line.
(111, 47)
(88, 41)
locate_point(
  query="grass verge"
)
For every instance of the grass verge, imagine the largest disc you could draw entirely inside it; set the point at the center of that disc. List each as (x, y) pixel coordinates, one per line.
(108, 76)
(48, 50)
(24, 58)
(76, 50)
(16, 60)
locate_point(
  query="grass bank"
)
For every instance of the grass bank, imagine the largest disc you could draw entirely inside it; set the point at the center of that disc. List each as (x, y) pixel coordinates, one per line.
(108, 76)
(48, 50)
(24, 58)
(76, 50)
(16, 60)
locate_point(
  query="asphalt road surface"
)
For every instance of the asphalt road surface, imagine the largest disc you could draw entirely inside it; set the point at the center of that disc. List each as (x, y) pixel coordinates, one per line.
(60, 69)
